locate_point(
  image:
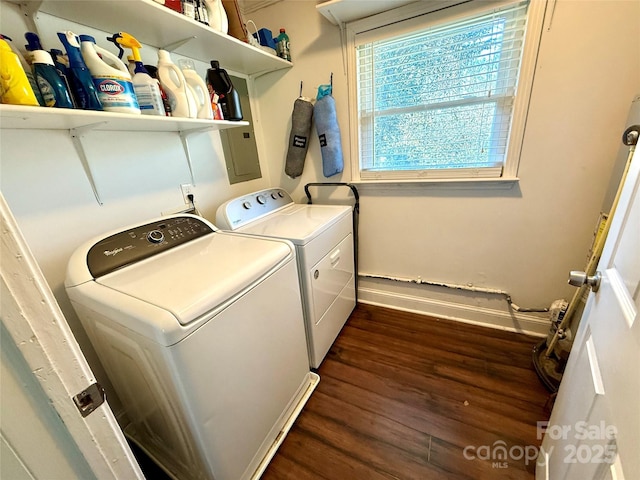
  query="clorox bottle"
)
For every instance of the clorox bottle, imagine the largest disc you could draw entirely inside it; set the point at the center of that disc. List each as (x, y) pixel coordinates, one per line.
(112, 80)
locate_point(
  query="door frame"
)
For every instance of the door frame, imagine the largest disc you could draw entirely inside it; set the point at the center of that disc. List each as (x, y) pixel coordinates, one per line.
(37, 326)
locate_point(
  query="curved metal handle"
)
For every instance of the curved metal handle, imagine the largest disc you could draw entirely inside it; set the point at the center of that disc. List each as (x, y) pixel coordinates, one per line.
(578, 279)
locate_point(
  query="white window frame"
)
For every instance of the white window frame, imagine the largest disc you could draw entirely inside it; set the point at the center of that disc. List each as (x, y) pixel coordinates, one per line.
(432, 12)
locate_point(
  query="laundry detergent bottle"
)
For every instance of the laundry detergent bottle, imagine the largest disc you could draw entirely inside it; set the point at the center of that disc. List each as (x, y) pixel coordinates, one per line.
(53, 89)
(174, 84)
(51, 84)
(14, 84)
(110, 77)
(25, 67)
(220, 84)
(198, 88)
(80, 79)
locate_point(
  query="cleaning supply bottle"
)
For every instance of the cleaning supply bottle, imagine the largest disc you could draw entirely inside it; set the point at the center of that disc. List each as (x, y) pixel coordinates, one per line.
(14, 84)
(218, 19)
(202, 15)
(198, 88)
(282, 45)
(172, 80)
(147, 89)
(53, 89)
(220, 84)
(153, 71)
(61, 63)
(80, 79)
(26, 67)
(110, 77)
(189, 8)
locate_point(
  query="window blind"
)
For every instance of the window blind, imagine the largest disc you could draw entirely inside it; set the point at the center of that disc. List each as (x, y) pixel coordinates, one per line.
(438, 101)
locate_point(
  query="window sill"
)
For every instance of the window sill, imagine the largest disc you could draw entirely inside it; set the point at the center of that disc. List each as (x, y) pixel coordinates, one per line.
(440, 183)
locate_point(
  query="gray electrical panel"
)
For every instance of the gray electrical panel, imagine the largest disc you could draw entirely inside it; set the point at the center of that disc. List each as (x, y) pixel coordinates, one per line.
(239, 144)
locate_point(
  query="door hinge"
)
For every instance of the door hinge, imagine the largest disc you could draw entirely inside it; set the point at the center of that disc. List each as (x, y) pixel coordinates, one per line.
(89, 399)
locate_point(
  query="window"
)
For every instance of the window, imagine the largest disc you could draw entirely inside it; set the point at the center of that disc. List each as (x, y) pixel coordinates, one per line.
(441, 95)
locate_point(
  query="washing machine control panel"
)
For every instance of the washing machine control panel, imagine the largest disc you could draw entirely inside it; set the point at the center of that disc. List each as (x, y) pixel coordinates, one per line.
(131, 246)
(243, 210)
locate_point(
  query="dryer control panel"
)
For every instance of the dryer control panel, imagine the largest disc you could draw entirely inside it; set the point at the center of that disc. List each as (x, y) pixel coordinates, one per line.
(136, 244)
(243, 210)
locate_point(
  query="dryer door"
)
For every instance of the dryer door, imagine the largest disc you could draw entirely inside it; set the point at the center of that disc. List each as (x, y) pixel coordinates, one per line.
(329, 277)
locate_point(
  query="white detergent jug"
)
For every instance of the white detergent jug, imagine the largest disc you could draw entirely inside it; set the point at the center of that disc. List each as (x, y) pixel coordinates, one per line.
(198, 88)
(110, 77)
(218, 19)
(180, 96)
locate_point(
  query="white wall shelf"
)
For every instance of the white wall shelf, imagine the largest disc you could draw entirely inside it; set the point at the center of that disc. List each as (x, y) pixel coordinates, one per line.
(158, 26)
(152, 24)
(81, 122)
(343, 11)
(42, 118)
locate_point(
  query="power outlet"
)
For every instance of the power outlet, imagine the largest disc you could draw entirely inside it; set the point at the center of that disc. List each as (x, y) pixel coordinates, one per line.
(187, 189)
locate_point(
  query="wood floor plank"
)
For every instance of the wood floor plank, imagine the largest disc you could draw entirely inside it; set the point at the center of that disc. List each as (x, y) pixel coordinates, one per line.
(441, 364)
(466, 409)
(402, 395)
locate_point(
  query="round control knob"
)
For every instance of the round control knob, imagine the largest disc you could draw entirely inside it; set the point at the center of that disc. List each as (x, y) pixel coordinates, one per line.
(155, 236)
(274, 196)
(261, 199)
(246, 205)
(281, 195)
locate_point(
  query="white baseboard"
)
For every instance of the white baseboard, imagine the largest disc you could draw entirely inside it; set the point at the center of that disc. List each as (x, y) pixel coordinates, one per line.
(530, 324)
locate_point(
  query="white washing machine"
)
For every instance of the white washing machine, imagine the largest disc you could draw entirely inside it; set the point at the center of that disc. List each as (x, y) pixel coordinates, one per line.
(211, 371)
(323, 236)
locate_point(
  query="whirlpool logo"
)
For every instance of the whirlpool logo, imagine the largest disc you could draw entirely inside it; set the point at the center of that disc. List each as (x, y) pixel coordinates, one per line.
(110, 87)
(112, 253)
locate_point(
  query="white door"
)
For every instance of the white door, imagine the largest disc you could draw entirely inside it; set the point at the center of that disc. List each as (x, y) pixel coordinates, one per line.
(594, 429)
(43, 435)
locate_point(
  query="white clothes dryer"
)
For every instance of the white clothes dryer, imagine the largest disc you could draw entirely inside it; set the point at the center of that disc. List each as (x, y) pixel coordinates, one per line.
(210, 370)
(323, 237)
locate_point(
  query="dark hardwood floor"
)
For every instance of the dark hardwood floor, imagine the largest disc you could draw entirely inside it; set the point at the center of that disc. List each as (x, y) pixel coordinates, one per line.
(404, 396)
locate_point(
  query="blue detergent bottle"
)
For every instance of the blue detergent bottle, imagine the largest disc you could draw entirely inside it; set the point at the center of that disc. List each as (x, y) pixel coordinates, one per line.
(52, 87)
(54, 91)
(80, 76)
(61, 62)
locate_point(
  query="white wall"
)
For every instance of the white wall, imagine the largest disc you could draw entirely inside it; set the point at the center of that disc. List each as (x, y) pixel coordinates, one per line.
(523, 240)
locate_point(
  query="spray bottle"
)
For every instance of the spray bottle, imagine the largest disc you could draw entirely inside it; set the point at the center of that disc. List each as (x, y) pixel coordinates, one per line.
(110, 76)
(14, 84)
(61, 62)
(146, 88)
(52, 87)
(80, 77)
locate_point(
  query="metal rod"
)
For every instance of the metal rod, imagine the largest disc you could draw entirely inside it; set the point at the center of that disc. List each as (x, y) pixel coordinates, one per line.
(592, 264)
(355, 218)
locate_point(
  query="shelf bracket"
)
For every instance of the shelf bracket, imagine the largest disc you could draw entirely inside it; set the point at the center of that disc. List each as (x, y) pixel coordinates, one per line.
(173, 46)
(184, 137)
(30, 11)
(77, 134)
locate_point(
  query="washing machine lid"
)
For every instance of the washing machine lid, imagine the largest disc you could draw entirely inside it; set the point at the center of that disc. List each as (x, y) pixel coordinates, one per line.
(298, 223)
(201, 276)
